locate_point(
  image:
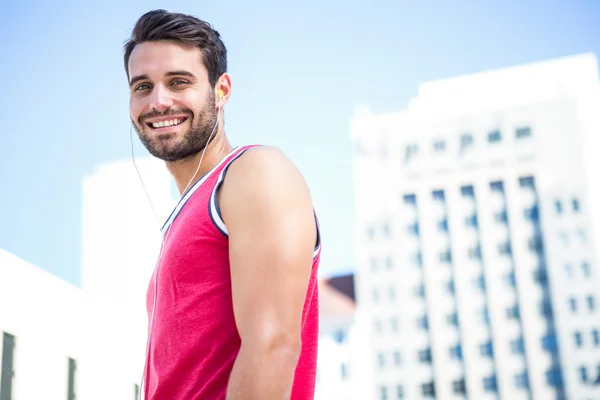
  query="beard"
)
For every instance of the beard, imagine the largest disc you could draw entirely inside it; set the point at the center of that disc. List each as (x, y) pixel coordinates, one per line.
(168, 147)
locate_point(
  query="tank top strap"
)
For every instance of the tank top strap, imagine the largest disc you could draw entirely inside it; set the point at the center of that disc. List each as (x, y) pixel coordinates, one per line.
(207, 179)
(213, 205)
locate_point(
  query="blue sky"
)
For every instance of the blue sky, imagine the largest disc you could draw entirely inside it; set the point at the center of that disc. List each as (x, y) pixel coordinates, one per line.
(298, 70)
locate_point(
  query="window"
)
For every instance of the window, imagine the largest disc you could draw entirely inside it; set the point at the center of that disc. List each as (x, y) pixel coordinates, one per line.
(471, 221)
(383, 393)
(505, 249)
(425, 356)
(583, 374)
(450, 286)
(485, 316)
(373, 264)
(394, 324)
(517, 346)
(522, 380)
(591, 303)
(536, 244)
(554, 377)
(467, 191)
(397, 358)
(410, 151)
(486, 349)
(582, 235)
(423, 323)
(377, 326)
(453, 319)
(339, 335)
(564, 238)
(456, 352)
(419, 291)
(428, 389)
(569, 271)
(389, 262)
(475, 253)
(479, 282)
(585, 267)
(549, 342)
(540, 275)
(576, 206)
(443, 225)
(392, 293)
(523, 132)
(446, 257)
(527, 182)
(375, 295)
(399, 392)
(532, 214)
(438, 195)
(513, 312)
(501, 217)
(8, 373)
(596, 337)
(387, 232)
(459, 387)
(417, 259)
(546, 308)
(490, 384)
(494, 136)
(136, 391)
(371, 233)
(558, 206)
(573, 304)
(413, 229)
(466, 141)
(439, 146)
(578, 339)
(381, 360)
(410, 199)
(497, 186)
(344, 370)
(510, 279)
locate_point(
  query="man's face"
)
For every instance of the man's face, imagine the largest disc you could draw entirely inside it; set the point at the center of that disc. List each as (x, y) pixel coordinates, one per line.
(172, 104)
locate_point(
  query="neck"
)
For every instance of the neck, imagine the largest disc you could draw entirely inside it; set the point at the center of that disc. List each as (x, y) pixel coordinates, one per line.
(184, 171)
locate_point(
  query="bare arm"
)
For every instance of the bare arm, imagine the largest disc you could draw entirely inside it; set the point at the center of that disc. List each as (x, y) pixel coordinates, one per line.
(268, 211)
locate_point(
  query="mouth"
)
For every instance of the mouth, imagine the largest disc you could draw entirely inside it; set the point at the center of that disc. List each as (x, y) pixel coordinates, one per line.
(165, 125)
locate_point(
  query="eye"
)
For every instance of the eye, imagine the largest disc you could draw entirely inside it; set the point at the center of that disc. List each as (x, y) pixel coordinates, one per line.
(180, 82)
(143, 86)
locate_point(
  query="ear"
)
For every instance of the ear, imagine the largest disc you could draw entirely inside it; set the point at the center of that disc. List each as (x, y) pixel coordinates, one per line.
(223, 90)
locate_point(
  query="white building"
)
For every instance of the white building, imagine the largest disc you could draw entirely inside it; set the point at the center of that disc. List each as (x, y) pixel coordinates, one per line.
(478, 233)
(58, 342)
(63, 342)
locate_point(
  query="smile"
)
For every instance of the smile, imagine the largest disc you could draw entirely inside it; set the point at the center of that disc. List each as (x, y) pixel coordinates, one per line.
(166, 123)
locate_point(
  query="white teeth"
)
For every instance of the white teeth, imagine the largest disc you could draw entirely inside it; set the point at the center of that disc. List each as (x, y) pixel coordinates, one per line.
(172, 122)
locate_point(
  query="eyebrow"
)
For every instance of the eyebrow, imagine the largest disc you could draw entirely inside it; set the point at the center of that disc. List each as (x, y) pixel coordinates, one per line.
(170, 73)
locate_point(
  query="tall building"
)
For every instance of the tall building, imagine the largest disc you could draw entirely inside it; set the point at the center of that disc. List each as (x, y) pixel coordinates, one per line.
(478, 231)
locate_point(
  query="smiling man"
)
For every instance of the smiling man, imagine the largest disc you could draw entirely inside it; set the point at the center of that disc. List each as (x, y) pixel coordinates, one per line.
(233, 301)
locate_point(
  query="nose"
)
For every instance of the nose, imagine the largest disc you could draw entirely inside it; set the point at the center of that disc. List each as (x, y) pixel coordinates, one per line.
(160, 99)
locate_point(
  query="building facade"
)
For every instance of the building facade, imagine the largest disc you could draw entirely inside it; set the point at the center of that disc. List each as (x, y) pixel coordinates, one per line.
(477, 236)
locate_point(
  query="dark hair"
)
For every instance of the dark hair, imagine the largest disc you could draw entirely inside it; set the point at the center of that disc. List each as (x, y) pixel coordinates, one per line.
(163, 25)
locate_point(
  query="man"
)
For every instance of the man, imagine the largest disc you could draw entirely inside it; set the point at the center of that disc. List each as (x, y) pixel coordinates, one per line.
(233, 302)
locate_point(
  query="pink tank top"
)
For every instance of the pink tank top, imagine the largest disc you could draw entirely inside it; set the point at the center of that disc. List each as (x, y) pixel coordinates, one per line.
(193, 340)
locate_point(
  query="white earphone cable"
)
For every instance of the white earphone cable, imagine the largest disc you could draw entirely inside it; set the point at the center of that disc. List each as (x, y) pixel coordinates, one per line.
(141, 392)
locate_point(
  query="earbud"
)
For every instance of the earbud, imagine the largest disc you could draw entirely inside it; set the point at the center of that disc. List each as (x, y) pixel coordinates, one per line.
(221, 93)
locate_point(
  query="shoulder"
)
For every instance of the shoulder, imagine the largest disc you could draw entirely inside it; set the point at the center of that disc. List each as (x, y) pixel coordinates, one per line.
(265, 166)
(264, 176)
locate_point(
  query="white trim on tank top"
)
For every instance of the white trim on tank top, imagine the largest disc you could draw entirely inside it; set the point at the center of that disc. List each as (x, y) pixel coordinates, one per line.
(192, 190)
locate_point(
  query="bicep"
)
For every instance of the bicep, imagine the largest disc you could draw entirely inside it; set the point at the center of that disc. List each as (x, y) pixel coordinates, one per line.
(272, 233)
